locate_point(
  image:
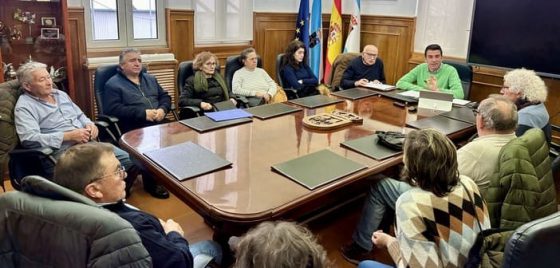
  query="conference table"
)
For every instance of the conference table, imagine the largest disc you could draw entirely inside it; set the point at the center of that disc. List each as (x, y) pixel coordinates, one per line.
(234, 199)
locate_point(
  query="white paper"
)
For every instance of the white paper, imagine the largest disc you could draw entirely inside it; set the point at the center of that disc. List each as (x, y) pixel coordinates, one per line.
(378, 86)
(411, 93)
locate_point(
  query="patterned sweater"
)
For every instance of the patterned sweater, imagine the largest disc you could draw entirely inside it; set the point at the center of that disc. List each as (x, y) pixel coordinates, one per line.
(438, 231)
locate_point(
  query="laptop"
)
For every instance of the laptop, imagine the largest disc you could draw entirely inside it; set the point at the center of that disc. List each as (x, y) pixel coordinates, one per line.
(435, 101)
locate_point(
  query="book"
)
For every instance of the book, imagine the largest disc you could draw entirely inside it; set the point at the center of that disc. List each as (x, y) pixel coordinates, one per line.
(187, 160)
(318, 168)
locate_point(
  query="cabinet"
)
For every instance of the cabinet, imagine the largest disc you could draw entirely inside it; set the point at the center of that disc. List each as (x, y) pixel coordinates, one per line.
(36, 30)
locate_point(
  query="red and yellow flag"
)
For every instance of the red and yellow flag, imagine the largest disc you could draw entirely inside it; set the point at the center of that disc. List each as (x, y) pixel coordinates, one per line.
(334, 41)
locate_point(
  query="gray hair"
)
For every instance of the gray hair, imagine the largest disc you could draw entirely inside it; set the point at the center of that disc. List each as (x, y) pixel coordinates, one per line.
(280, 244)
(24, 71)
(498, 113)
(126, 51)
(528, 83)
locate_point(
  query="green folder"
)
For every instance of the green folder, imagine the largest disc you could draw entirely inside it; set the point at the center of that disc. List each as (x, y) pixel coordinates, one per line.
(318, 168)
(370, 147)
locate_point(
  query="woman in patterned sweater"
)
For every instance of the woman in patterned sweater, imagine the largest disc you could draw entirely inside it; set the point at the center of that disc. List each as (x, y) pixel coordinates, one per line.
(438, 220)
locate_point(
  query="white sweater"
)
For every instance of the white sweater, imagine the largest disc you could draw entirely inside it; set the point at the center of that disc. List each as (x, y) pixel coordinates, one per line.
(248, 83)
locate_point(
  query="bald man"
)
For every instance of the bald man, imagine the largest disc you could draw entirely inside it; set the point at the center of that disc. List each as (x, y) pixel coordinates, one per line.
(363, 69)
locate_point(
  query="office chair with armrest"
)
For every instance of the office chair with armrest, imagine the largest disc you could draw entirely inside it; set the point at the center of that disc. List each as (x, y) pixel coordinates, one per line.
(233, 63)
(184, 71)
(340, 64)
(47, 225)
(465, 74)
(290, 92)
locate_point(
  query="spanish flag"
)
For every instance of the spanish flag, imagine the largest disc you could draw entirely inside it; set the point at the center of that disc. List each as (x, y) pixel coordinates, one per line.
(334, 41)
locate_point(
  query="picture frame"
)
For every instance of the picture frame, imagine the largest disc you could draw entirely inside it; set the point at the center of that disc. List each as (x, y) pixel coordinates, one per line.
(48, 21)
(50, 33)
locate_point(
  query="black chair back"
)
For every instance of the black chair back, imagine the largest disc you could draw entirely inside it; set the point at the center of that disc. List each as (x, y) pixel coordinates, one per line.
(465, 74)
(102, 74)
(279, 69)
(233, 63)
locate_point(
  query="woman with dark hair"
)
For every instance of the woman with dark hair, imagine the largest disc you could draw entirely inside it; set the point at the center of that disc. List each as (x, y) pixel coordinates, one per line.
(206, 86)
(252, 81)
(295, 72)
(439, 218)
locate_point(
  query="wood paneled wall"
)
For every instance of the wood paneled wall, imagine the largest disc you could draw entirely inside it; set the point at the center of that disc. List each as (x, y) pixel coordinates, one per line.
(392, 35)
(77, 31)
(487, 80)
(180, 33)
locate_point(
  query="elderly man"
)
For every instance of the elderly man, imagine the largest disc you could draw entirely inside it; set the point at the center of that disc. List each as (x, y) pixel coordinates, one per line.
(137, 99)
(496, 121)
(47, 117)
(364, 69)
(92, 170)
(433, 75)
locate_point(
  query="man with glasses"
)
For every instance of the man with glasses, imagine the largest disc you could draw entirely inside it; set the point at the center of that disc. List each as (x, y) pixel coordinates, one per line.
(496, 121)
(93, 170)
(433, 75)
(137, 100)
(364, 69)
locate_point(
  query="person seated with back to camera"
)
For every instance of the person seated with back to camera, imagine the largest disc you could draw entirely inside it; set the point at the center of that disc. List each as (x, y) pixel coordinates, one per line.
(433, 75)
(206, 86)
(364, 69)
(528, 91)
(296, 73)
(92, 170)
(279, 244)
(429, 232)
(252, 81)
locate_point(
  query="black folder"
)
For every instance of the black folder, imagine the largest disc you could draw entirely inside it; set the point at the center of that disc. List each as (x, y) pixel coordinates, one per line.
(354, 93)
(318, 168)
(272, 110)
(187, 160)
(370, 147)
(316, 101)
(443, 124)
(203, 123)
(464, 114)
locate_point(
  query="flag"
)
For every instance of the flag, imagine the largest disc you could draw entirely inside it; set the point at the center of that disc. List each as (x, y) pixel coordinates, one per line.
(302, 23)
(316, 40)
(353, 39)
(334, 41)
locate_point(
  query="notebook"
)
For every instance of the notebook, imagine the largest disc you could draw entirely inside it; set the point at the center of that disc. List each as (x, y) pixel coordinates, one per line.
(318, 168)
(354, 93)
(316, 101)
(272, 110)
(370, 147)
(378, 86)
(187, 160)
(203, 123)
(228, 115)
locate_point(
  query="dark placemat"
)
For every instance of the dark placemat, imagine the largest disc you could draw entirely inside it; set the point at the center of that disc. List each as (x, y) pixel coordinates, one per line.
(369, 147)
(444, 124)
(318, 168)
(203, 123)
(187, 160)
(354, 93)
(398, 97)
(272, 110)
(315, 101)
(464, 114)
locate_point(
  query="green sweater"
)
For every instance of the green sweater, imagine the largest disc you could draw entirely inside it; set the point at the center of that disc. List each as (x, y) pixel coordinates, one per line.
(447, 79)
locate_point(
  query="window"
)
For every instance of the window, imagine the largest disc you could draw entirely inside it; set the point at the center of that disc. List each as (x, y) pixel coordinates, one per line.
(223, 21)
(124, 23)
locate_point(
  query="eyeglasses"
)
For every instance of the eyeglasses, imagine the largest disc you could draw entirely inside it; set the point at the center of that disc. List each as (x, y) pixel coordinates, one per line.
(121, 172)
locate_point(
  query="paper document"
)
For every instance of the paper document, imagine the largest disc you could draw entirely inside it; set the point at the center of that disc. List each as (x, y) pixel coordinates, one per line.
(378, 86)
(411, 93)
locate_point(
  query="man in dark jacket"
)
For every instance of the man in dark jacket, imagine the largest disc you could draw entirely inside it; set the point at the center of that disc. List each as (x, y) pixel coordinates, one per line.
(93, 170)
(137, 99)
(364, 69)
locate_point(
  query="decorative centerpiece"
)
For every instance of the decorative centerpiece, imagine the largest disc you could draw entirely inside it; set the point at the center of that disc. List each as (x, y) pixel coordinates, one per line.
(27, 18)
(328, 121)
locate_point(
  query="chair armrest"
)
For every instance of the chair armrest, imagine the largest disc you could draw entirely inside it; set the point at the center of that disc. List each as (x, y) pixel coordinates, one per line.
(241, 99)
(189, 112)
(106, 134)
(107, 118)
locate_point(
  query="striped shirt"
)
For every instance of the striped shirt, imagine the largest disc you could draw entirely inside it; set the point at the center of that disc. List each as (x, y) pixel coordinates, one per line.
(248, 83)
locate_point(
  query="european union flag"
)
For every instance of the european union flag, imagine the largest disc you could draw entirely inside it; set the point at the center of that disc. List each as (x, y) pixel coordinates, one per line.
(302, 24)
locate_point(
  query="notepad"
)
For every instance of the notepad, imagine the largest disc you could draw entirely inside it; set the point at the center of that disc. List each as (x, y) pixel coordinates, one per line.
(318, 168)
(379, 86)
(187, 160)
(316, 101)
(354, 93)
(203, 123)
(272, 110)
(228, 115)
(444, 124)
(370, 147)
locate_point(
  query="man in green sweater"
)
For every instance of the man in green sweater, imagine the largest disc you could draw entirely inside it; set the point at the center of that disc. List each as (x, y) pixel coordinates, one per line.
(433, 75)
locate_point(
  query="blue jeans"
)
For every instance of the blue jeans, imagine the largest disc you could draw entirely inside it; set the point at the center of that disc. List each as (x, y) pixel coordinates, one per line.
(123, 157)
(206, 251)
(373, 264)
(381, 195)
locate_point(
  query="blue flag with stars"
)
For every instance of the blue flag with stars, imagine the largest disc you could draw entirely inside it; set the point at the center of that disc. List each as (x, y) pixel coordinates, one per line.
(302, 24)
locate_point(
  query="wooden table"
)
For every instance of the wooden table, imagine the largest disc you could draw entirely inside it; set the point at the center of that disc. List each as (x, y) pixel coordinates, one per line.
(234, 199)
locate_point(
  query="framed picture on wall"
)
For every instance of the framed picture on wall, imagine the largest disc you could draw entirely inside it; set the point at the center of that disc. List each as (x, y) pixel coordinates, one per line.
(50, 33)
(48, 21)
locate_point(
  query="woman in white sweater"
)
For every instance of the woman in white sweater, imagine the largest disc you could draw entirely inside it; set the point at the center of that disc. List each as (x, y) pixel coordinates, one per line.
(252, 81)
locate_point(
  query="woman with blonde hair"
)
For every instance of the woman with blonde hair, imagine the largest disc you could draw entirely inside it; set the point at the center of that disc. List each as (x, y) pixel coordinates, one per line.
(206, 86)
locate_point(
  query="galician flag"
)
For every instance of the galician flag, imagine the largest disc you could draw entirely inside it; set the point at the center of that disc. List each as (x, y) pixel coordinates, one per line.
(334, 41)
(316, 40)
(353, 39)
